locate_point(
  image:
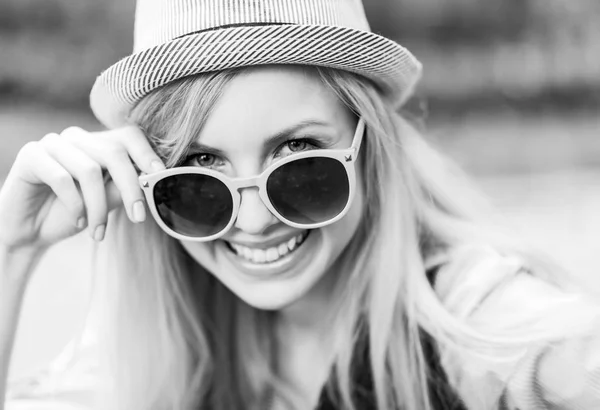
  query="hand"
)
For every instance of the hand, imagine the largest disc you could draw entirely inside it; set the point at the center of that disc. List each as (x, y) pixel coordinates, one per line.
(56, 187)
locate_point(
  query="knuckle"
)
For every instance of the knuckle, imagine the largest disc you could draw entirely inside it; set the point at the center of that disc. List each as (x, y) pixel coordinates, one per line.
(49, 138)
(91, 172)
(115, 152)
(62, 180)
(130, 132)
(28, 149)
(73, 131)
(28, 154)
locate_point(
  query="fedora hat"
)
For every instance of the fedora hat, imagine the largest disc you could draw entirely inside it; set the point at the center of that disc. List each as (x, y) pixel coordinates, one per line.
(179, 38)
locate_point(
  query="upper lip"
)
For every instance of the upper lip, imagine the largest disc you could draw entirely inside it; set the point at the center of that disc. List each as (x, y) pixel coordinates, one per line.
(269, 243)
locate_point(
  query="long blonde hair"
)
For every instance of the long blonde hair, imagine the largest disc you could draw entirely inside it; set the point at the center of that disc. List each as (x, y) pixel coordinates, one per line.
(176, 338)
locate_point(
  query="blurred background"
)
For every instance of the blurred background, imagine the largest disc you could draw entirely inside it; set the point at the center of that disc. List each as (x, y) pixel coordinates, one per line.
(511, 91)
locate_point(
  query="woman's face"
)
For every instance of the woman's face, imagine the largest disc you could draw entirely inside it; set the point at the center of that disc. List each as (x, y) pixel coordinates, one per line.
(238, 140)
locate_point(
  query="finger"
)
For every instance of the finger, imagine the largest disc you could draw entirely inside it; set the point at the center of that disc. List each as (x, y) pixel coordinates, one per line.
(42, 169)
(89, 175)
(139, 149)
(125, 177)
(131, 138)
(113, 156)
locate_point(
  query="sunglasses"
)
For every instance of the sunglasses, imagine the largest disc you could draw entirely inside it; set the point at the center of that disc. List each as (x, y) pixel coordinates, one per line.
(305, 190)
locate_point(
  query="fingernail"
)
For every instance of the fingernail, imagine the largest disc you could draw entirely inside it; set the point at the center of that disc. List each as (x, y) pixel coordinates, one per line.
(99, 232)
(156, 165)
(80, 222)
(139, 212)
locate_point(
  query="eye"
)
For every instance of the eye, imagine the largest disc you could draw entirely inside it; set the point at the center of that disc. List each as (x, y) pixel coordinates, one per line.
(296, 145)
(203, 159)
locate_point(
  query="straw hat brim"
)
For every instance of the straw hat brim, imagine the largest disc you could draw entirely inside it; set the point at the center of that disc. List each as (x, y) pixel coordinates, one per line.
(384, 61)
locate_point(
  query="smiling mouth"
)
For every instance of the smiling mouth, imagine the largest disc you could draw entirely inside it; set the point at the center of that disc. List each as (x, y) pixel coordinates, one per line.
(269, 255)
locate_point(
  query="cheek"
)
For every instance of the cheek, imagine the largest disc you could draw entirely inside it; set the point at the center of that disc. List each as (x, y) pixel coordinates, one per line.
(203, 253)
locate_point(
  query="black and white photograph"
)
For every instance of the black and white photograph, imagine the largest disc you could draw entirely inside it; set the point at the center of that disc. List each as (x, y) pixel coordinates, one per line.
(299, 205)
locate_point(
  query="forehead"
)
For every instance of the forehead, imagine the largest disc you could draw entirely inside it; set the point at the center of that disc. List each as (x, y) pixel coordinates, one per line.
(262, 101)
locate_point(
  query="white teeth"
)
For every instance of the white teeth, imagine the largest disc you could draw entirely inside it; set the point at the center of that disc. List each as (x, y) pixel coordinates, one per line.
(258, 256)
(283, 249)
(271, 254)
(292, 244)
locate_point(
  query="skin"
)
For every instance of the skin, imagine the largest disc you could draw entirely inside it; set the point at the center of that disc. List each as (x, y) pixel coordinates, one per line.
(263, 102)
(256, 105)
(55, 189)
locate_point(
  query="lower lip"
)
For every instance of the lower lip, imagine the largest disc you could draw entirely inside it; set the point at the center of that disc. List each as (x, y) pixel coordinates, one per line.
(282, 267)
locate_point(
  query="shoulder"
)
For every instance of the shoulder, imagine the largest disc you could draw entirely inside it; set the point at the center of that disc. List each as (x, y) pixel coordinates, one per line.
(559, 330)
(479, 284)
(468, 275)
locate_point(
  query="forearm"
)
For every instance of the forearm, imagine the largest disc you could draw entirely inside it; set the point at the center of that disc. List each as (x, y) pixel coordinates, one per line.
(15, 270)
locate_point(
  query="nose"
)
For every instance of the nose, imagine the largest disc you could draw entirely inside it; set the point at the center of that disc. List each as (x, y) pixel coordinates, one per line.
(253, 217)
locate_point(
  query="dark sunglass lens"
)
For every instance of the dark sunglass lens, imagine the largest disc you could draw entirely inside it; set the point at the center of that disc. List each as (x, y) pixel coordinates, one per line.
(193, 204)
(309, 190)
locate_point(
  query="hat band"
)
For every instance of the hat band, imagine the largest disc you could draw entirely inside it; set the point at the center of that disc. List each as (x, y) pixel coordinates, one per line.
(235, 25)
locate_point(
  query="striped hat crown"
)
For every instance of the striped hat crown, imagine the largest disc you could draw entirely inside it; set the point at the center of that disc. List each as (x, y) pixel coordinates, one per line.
(179, 38)
(159, 21)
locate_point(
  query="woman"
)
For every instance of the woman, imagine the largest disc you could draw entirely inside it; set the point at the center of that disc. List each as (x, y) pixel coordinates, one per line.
(306, 248)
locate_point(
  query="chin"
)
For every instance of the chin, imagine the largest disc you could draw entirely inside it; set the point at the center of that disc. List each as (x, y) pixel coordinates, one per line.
(268, 302)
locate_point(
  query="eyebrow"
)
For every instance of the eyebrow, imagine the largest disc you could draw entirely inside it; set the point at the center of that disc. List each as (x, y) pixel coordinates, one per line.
(271, 142)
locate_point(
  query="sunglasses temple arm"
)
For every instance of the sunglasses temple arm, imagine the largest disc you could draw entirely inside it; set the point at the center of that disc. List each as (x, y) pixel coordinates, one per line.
(358, 136)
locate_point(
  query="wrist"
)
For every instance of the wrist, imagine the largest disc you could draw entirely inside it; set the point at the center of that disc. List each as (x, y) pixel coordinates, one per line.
(17, 264)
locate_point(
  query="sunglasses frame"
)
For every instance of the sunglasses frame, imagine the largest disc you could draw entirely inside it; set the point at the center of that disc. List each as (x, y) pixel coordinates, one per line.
(346, 156)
